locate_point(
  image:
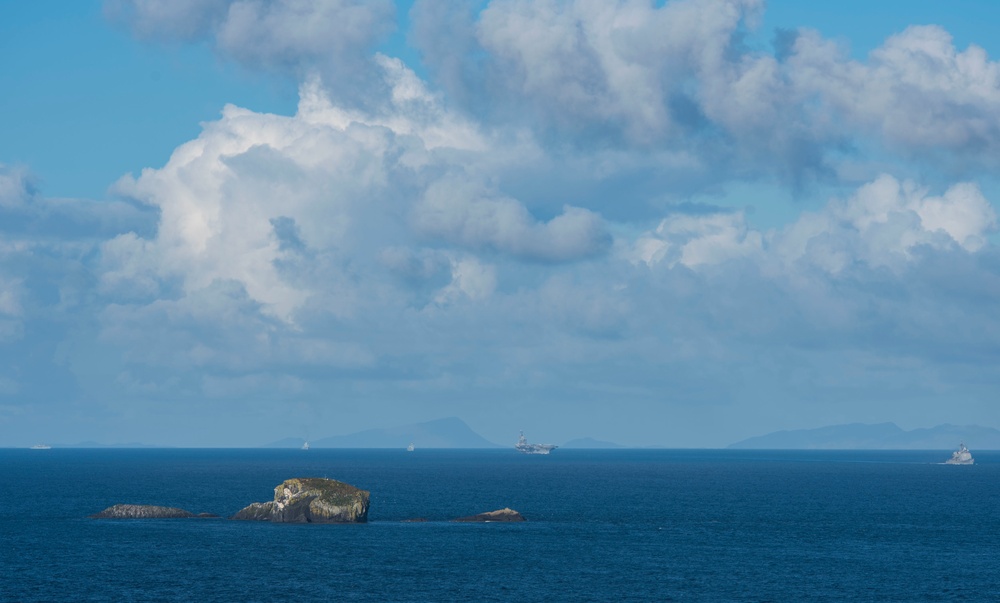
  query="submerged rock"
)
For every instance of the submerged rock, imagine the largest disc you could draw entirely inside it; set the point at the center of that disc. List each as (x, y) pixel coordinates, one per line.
(491, 516)
(311, 500)
(144, 512)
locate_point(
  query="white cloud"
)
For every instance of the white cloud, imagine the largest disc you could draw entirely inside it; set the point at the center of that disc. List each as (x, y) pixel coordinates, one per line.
(470, 279)
(218, 195)
(510, 227)
(884, 221)
(620, 61)
(462, 212)
(126, 274)
(15, 187)
(342, 236)
(879, 224)
(331, 39)
(417, 265)
(697, 240)
(917, 89)
(629, 72)
(296, 32)
(677, 76)
(346, 186)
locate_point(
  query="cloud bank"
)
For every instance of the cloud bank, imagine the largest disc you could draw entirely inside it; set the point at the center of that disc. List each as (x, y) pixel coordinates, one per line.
(510, 232)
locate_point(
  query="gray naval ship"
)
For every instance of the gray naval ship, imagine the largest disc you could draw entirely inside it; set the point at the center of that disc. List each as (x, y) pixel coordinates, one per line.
(523, 446)
(962, 456)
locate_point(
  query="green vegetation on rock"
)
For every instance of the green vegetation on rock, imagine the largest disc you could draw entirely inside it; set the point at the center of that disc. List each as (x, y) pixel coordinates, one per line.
(311, 500)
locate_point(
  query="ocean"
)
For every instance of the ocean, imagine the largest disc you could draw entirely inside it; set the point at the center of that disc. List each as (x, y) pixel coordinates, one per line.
(604, 525)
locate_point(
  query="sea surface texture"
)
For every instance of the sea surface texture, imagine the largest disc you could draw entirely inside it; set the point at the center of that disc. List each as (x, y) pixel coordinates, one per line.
(618, 525)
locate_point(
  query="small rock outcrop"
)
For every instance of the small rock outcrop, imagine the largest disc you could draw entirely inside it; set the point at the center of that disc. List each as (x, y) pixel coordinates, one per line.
(491, 516)
(311, 500)
(144, 512)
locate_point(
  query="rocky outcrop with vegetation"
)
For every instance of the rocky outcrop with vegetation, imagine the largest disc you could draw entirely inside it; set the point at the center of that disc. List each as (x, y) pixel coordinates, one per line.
(145, 512)
(311, 500)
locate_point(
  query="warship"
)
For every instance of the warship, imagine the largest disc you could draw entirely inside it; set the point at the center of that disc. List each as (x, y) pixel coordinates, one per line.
(962, 456)
(523, 446)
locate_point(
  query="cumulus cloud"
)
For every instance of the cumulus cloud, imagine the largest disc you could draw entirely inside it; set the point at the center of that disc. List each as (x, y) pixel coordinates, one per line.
(679, 75)
(639, 76)
(294, 207)
(47, 259)
(471, 279)
(462, 212)
(693, 240)
(580, 63)
(671, 75)
(880, 224)
(917, 89)
(520, 225)
(297, 32)
(414, 265)
(329, 38)
(284, 224)
(885, 221)
(390, 237)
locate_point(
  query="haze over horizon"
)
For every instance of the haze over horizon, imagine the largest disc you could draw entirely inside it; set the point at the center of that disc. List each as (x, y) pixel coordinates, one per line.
(680, 224)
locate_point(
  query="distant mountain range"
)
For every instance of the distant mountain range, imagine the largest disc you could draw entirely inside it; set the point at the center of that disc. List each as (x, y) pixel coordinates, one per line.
(442, 433)
(884, 436)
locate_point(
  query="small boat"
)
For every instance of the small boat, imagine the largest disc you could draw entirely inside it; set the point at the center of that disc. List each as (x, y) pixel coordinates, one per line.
(410, 447)
(962, 456)
(41, 447)
(305, 445)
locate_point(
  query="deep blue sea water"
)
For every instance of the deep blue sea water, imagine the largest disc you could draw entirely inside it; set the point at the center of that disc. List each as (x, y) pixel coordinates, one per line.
(661, 525)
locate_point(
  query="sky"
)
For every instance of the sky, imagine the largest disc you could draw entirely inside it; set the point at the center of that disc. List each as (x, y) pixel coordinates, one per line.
(678, 224)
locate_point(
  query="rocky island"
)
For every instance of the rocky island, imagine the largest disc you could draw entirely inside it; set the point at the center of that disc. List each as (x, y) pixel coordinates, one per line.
(146, 512)
(505, 515)
(311, 500)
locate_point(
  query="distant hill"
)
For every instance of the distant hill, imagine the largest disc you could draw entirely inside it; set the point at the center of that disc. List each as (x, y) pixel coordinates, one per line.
(442, 433)
(590, 443)
(884, 436)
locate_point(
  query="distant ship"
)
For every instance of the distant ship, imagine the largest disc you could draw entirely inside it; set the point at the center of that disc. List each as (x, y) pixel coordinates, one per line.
(305, 445)
(410, 447)
(41, 447)
(962, 456)
(523, 446)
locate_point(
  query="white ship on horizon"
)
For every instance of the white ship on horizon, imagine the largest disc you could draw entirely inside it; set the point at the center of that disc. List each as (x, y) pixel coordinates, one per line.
(41, 447)
(523, 446)
(962, 456)
(305, 445)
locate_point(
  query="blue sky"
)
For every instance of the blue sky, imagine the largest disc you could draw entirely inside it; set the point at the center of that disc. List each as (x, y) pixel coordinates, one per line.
(676, 223)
